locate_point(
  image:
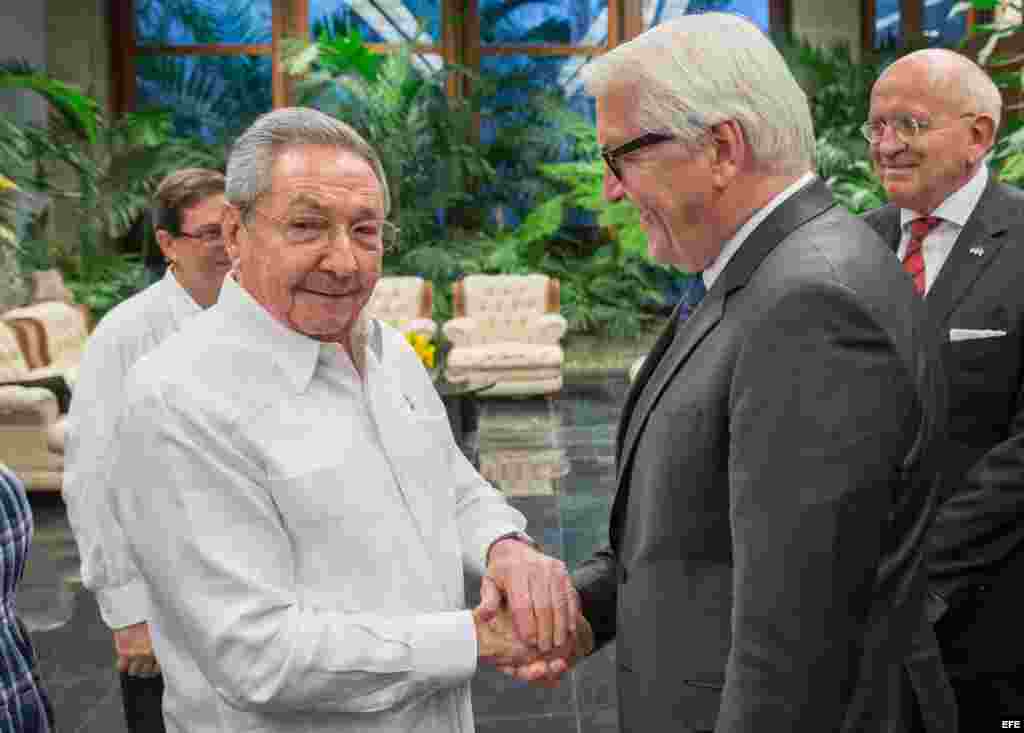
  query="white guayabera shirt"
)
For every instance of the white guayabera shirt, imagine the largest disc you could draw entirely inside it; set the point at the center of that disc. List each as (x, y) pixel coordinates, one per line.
(303, 533)
(126, 333)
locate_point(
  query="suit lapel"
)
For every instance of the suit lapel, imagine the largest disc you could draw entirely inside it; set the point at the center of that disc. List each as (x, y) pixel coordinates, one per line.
(675, 348)
(977, 246)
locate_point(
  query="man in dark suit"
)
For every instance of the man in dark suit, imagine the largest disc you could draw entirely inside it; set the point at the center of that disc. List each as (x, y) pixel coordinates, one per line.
(933, 118)
(765, 567)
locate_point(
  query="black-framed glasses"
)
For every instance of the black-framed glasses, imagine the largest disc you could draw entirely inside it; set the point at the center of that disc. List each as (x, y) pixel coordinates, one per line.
(905, 127)
(611, 157)
(307, 228)
(209, 236)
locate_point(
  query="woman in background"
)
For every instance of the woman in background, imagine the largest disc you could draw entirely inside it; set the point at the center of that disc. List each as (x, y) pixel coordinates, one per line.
(24, 706)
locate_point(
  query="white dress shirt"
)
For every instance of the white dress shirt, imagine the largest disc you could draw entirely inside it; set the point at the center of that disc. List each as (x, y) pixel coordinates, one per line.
(303, 532)
(128, 331)
(954, 212)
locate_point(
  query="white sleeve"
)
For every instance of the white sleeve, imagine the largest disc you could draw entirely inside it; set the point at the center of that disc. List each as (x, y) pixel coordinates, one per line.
(106, 565)
(217, 560)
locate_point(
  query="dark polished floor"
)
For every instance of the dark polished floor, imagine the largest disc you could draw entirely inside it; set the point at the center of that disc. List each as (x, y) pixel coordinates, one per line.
(553, 459)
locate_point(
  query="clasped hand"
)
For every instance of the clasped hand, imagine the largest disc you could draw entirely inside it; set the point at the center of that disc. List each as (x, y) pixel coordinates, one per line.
(528, 622)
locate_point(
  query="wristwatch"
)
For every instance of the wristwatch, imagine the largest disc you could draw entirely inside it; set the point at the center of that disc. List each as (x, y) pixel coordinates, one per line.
(520, 536)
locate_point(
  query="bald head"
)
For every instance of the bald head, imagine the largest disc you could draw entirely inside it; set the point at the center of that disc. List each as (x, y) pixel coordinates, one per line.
(954, 77)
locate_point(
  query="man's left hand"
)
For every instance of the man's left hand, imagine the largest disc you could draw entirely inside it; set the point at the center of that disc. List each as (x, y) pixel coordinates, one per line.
(538, 590)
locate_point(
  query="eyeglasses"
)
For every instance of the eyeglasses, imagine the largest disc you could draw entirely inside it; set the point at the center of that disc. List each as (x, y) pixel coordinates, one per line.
(306, 228)
(209, 236)
(611, 157)
(905, 127)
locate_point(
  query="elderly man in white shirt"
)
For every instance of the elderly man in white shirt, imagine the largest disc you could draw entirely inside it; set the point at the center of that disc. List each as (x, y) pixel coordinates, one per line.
(187, 209)
(292, 492)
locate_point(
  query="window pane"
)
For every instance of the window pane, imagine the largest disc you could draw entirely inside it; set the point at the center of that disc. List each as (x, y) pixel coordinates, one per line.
(887, 24)
(522, 132)
(183, 22)
(576, 22)
(380, 21)
(937, 29)
(214, 97)
(658, 11)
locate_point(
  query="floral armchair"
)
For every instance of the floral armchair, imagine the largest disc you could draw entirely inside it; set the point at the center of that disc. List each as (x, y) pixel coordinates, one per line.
(51, 334)
(506, 332)
(405, 303)
(31, 424)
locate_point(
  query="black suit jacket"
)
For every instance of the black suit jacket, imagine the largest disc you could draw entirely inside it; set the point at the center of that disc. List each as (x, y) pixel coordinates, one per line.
(765, 566)
(976, 546)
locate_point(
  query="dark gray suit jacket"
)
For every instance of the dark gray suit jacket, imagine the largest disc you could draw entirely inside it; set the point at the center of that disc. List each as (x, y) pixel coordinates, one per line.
(775, 480)
(976, 547)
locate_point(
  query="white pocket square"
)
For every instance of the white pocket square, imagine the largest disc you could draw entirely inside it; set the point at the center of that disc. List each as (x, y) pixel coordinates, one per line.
(966, 334)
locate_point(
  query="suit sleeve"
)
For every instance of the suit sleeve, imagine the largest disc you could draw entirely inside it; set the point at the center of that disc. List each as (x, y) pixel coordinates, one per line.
(979, 526)
(597, 583)
(818, 411)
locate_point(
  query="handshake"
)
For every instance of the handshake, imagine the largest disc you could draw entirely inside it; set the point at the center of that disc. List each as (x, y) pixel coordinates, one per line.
(528, 623)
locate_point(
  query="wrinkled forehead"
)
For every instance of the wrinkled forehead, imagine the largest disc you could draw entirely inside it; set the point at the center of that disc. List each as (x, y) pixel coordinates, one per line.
(328, 198)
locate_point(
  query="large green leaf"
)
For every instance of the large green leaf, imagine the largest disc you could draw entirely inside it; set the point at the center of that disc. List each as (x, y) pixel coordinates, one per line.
(80, 111)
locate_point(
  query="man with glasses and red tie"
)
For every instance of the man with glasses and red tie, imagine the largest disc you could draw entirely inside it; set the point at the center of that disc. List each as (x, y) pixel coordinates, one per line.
(960, 236)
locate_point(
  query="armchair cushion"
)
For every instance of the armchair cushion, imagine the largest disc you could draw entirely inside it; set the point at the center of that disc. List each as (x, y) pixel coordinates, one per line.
(47, 379)
(32, 436)
(405, 303)
(49, 285)
(64, 328)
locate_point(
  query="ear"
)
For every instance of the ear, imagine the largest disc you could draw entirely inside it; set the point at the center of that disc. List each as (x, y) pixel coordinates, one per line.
(730, 153)
(167, 243)
(231, 229)
(983, 135)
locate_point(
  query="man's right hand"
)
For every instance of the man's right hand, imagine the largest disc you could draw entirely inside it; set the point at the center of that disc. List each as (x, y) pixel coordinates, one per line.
(135, 651)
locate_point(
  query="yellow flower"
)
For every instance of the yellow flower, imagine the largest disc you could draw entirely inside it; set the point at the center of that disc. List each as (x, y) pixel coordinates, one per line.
(6, 183)
(423, 347)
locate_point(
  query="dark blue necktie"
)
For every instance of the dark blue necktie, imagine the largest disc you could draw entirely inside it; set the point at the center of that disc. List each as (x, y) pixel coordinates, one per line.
(692, 296)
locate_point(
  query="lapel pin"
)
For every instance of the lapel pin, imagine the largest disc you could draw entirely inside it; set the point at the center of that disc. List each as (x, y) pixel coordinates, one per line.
(977, 251)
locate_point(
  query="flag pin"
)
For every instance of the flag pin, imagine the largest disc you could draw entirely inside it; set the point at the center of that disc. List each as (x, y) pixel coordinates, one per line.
(977, 251)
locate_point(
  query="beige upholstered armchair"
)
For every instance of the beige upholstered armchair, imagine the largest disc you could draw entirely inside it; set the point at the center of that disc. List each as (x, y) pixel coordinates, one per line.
(31, 424)
(51, 334)
(506, 331)
(405, 303)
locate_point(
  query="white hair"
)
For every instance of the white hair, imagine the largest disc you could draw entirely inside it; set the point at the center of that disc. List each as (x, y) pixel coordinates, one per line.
(254, 153)
(699, 70)
(959, 80)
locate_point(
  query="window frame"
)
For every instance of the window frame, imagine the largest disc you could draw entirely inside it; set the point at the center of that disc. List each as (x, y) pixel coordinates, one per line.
(460, 42)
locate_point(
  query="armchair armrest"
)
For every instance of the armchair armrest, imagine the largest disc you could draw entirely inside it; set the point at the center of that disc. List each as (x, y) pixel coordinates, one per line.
(27, 406)
(461, 331)
(547, 329)
(55, 383)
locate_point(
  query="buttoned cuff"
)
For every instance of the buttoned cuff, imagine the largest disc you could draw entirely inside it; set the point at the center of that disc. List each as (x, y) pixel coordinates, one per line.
(445, 647)
(123, 605)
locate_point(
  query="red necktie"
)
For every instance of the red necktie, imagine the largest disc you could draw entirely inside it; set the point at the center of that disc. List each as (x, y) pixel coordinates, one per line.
(913, 260)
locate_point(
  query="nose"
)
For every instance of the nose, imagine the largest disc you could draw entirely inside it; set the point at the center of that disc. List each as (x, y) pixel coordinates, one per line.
(340, 257)
(612, 189)
(889, 143)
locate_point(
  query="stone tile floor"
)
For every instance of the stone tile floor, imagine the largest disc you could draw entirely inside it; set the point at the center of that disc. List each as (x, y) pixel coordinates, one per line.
(555, 461)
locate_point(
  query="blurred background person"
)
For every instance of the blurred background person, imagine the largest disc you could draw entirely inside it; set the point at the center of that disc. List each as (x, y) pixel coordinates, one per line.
(25, 704)
(187, 210)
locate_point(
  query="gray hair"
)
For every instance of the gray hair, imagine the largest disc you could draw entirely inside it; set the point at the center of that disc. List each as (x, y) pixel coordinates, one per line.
(254, 152)
(693, 72)
(959, 80)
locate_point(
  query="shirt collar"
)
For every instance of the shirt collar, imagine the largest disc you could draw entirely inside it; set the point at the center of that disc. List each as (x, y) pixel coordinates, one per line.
(182, 304)
(715, 268)
(959, 205)
(294, 353)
